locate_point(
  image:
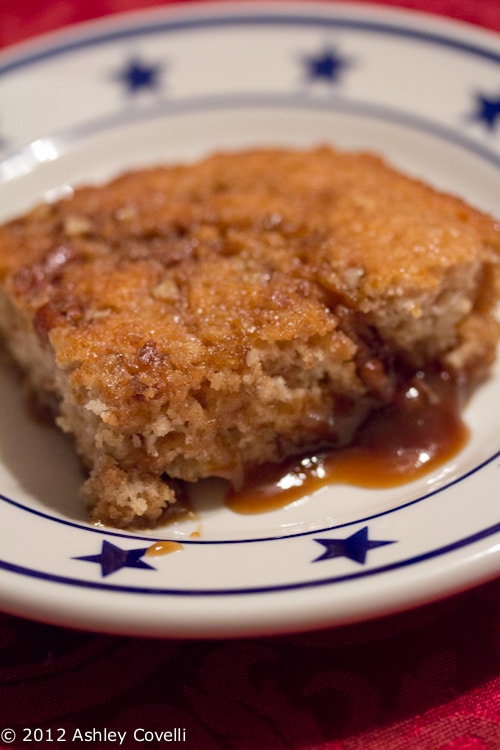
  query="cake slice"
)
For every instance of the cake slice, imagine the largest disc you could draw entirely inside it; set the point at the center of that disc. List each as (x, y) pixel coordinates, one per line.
(199, 320)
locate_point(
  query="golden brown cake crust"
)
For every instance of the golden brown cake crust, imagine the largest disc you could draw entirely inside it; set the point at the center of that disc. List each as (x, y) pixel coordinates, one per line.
(196, 320)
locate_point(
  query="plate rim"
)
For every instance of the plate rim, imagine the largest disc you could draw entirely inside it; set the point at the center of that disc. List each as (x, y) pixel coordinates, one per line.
(132, 18)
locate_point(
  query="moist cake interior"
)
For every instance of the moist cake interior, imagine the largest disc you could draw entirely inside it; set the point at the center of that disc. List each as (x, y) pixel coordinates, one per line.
(189, 321)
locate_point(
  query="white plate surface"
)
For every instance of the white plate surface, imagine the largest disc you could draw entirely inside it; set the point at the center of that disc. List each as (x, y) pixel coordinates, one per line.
(176, 84)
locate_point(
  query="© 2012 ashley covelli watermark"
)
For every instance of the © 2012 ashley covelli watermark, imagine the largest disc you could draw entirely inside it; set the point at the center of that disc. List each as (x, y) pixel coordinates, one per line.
(36, 735)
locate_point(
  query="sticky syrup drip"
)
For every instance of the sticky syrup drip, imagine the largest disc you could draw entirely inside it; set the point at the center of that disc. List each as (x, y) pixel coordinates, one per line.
(419, 431)
(158, 549)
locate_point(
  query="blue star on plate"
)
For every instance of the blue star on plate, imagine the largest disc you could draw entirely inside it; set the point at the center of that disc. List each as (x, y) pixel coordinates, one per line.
(354, 547)
(327, 65)
(138, 75)
(113, 558)
(488, 111)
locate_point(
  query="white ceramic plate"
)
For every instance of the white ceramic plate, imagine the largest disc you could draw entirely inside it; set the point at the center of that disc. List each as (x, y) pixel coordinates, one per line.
(176, 84)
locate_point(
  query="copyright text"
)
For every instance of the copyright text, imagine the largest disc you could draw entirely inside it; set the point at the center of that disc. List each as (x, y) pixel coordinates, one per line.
(37, 735)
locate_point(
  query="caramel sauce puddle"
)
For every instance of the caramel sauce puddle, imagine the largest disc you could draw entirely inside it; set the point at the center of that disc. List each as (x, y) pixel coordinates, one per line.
(161, 548)
(419, 431)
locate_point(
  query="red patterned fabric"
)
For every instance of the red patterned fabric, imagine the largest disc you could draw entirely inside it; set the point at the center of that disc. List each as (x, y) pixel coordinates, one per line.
(28, 18)
(424, 680)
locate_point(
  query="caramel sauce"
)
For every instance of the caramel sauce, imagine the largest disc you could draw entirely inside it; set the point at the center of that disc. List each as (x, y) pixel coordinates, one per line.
(163, 548)
(420, 430)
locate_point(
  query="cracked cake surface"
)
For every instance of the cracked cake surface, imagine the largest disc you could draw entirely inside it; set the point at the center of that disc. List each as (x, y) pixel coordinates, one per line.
(197, 320)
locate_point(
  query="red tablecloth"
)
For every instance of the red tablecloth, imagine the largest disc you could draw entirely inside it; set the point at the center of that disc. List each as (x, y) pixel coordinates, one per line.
(27, 18)
(424, 680)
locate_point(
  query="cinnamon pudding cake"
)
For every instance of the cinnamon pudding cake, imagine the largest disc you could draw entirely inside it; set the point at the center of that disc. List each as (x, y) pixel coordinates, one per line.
(205, 319)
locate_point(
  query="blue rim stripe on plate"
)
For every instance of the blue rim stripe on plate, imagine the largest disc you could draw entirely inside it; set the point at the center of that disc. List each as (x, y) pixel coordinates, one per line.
(208, 22)
(431, 554)
(196, 104)
(389, 511)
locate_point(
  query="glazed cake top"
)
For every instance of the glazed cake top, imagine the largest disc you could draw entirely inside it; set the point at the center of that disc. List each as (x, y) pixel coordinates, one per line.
(194, 265)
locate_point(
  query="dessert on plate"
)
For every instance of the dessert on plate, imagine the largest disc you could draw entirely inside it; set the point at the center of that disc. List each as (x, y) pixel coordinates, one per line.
(204, 319)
